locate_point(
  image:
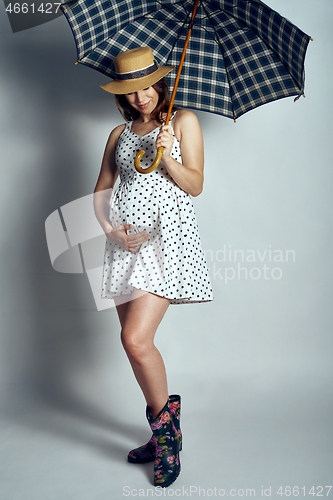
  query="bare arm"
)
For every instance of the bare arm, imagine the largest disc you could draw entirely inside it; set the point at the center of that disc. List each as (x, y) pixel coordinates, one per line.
(102, 195)
(189, 174)
(106, 180)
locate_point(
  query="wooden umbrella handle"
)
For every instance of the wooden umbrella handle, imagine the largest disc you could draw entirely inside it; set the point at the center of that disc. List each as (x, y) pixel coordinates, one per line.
(140, 154)
(157, 160)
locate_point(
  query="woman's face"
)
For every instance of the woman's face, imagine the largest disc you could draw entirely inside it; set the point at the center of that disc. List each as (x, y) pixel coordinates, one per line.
(144, 101)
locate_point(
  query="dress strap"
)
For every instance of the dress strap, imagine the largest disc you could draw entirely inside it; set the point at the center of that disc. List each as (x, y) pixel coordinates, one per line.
(129, 125)
(173, 114)
(171, 119)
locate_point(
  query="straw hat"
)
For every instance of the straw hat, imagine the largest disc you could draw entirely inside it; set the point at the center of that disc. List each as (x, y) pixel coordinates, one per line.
(136, 70)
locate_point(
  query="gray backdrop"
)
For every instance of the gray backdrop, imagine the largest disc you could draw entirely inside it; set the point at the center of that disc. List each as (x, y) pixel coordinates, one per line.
(254, 367)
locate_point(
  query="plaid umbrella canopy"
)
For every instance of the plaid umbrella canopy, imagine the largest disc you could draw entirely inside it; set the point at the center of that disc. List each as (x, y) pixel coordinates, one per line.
(241, 53)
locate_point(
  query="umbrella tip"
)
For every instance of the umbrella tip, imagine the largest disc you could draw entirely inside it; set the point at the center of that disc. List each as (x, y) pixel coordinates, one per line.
(77, 62)
(311, 38)
(234, 119)
(298, 97)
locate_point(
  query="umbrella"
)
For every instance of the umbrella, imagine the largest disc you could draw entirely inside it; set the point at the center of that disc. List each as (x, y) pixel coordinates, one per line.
(241, 53)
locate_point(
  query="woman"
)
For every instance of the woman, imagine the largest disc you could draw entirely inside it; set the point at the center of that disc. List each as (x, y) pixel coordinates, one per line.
(153, 255)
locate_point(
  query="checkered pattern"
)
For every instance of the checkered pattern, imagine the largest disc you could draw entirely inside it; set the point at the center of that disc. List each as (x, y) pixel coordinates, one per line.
(241, 54)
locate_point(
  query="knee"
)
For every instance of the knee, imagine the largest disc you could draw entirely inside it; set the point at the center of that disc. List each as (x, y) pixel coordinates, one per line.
(137, 348)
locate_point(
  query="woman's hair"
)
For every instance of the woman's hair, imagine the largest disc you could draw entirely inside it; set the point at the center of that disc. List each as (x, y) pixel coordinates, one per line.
(129, 113)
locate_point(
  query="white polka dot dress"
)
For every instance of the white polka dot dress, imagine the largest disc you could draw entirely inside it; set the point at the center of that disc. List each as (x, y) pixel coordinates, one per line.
(171, 263)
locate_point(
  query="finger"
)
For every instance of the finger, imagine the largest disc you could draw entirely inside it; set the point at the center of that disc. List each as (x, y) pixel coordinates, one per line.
(165, 126)
(163, 144)
(134, 249)
(142, 232)
(165, 132)
(165, 138)
(127, 242)
(138, 241)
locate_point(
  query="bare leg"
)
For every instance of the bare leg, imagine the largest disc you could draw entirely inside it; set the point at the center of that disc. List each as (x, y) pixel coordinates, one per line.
(139, 319)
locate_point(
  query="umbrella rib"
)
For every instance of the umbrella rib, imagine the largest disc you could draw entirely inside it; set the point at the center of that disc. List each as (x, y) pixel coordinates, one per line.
(264, 41)
(160, 3)
(186, 21)
(176, 37)
(166, 7)
(222, 53)
(179, 33)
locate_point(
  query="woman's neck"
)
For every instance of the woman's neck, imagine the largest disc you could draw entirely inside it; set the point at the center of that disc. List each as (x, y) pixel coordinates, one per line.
(143, 118)
(143, 127)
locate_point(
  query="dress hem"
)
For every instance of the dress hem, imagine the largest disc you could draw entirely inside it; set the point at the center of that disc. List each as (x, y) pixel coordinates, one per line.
(174, 301)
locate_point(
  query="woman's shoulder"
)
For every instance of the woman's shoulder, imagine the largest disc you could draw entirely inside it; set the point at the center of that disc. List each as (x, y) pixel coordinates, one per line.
(184, 118)
(115, 134)
(114, 137)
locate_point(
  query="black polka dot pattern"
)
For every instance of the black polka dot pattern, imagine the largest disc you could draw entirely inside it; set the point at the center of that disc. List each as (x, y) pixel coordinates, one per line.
(171, 263)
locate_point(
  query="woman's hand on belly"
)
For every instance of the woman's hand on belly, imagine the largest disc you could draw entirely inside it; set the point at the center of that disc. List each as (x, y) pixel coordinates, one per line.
(130, 242)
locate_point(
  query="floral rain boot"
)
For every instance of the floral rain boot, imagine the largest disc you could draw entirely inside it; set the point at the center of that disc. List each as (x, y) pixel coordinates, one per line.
(167, 464)
(146, 452)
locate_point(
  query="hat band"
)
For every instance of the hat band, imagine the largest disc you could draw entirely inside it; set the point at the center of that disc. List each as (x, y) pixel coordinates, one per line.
(139, 73)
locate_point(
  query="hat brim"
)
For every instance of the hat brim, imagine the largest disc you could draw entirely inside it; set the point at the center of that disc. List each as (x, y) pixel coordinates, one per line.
(136, 84)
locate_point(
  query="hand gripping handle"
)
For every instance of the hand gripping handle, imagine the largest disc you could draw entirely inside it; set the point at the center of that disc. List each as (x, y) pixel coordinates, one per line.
(160, 149)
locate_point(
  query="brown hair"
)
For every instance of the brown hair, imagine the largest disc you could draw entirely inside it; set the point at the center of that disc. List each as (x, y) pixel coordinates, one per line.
(129, 113)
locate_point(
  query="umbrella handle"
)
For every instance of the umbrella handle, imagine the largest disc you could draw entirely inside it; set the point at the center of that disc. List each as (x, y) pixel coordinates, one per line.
(160, 149)
(157, 160)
